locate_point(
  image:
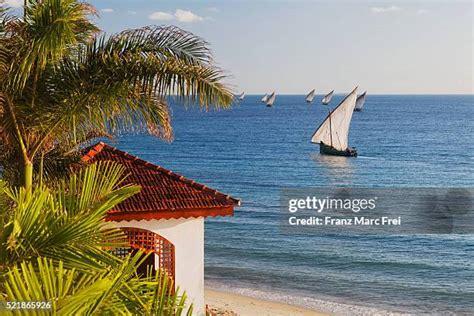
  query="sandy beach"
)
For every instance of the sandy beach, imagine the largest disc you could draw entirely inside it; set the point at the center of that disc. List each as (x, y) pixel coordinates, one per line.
(228, 304)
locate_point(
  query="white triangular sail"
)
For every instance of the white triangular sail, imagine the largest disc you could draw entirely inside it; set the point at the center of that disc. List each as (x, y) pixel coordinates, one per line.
(310, 96)
(271, 99)
(327, 98)
(265, 98)
(334, 130)
(241, 96)
(360, 101)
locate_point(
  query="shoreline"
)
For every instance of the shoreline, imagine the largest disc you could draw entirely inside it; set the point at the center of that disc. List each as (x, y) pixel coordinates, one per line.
(231, 301)
(230, 304)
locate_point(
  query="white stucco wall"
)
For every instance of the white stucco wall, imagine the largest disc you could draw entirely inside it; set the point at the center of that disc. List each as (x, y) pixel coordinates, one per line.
(187, 235)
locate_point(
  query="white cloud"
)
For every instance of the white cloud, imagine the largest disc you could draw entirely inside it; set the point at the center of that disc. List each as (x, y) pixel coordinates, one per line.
(392, 8)
(132, 12)
(179, 15)
(161, 16)
(187, 16)
(213, 9)
(13, 3)
(422, 11)
(107, 10)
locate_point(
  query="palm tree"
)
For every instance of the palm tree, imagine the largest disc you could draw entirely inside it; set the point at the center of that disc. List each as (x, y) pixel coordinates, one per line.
(63, 83)
(55, 247)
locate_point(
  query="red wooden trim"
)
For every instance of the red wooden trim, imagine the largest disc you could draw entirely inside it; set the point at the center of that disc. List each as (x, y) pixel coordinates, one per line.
(188, 213)
(149, 241)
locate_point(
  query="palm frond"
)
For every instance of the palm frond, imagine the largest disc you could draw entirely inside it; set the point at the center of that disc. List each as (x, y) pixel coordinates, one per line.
(162, 42)
(202, 84)
(120, 84)
(73, 292)
(67, 224)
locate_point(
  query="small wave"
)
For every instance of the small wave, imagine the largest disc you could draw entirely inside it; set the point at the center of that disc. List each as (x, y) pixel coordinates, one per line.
(371, 158)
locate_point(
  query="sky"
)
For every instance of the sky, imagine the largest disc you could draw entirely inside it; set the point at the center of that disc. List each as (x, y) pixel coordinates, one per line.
(393, 47)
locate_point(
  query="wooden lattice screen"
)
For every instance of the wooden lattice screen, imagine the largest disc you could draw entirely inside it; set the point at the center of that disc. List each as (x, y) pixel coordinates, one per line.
(151, 242)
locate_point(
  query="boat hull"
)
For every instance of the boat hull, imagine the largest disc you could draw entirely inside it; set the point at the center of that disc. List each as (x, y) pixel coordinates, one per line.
(329, 150)
(357, 110)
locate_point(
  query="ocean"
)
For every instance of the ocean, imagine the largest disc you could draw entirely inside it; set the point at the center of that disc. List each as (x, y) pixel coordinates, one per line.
(251, 152)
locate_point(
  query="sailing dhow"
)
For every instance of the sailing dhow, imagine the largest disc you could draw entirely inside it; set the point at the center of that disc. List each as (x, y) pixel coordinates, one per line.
(333, 133)
(271, 99)
(265, 98)
(310, 96)
(327, 98)
(360, 102)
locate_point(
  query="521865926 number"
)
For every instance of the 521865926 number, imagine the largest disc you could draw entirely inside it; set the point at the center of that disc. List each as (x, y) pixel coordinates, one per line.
(27, 305)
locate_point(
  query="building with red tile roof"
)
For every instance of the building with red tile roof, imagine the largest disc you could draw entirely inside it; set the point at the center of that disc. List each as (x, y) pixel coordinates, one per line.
(166, 217)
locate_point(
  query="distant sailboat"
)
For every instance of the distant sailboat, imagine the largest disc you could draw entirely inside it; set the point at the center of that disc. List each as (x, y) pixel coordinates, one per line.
(241, 96)
(360, 102)
(271, 99)
(333, 133)
(327, 98)
(310, 96)
(265, 98)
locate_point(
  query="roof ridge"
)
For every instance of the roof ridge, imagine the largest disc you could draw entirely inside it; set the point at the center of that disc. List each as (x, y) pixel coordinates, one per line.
(97, 148)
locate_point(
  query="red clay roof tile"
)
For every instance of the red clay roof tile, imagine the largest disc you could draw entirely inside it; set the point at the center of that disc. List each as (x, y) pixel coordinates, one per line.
(164, 194)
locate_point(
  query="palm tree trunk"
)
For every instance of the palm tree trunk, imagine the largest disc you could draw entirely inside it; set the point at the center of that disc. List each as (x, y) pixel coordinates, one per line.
(27, 166)
(27, 174)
